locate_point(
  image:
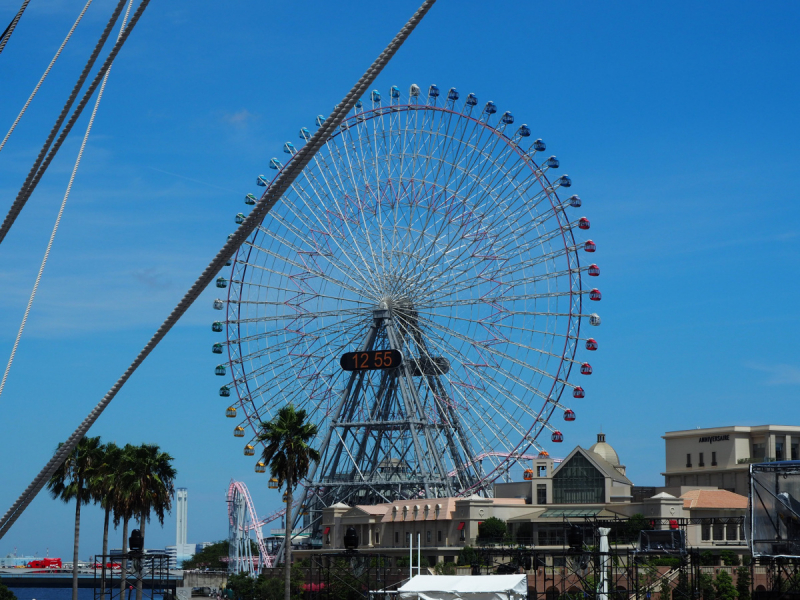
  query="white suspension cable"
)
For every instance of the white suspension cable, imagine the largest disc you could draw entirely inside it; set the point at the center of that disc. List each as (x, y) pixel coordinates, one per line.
(63, 202)
(46, 72)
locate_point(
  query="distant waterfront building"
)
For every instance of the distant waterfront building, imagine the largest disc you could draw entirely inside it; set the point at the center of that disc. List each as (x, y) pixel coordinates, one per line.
(181, 515)
(11, 561)
(720, 457)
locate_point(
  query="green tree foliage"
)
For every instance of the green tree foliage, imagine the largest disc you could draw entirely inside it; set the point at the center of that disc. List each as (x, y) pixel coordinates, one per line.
(266, 587)
(492, 530)
(743, 582)
(707, 559)
(665, 590)
(681, 591)
(635, 524)
(729, 559)
(71, 481)
(5, 593)
(724, 587)
(706, 584)
(445, 568)
(468, 556)
(288, 453)
(209, 557)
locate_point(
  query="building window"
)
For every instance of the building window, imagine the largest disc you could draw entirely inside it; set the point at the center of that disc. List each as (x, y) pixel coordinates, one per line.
(541, 494)
(688, 461)
(408, 538)
(578, 482)
(700, 462)
(705, 532)
(428, 536)
(713, 459)
(778, 450)
(719, 532)
(396, 537)
(541, 470)
(439, 536)
(795, 449)
(759, 451)
(462, 535)
(730, 531)
(377, 538)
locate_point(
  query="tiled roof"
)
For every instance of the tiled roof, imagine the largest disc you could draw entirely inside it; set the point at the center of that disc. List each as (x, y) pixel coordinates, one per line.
(713, 499)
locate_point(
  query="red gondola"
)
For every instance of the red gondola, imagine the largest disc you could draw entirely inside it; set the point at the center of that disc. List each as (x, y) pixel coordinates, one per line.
(578, 392)
(589, 246)
(591, 344)
(527, 474)
(544, 454)
(583, 223)
(569, 415)
(594, 271)
(595, 295)
(557, 437)
(586, 369)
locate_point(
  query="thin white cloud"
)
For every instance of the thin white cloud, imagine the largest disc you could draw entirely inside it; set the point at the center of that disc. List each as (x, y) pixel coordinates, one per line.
(779, 374)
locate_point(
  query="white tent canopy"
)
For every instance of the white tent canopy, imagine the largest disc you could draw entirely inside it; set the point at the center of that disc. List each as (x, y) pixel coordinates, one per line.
(465, 587)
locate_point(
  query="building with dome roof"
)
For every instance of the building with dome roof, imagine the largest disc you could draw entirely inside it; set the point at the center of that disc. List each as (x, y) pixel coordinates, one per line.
(587, 486)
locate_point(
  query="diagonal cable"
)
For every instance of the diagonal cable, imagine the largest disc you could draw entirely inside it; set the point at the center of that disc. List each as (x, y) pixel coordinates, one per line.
(60, 211)
(260, 210)
(37, 170)
(12, 26)
(46, 72)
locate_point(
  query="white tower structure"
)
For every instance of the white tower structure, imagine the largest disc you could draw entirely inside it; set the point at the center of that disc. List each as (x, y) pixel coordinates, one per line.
(181, 513)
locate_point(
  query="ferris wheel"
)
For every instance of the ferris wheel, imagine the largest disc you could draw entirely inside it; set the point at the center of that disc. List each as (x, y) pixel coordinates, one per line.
(433, 235)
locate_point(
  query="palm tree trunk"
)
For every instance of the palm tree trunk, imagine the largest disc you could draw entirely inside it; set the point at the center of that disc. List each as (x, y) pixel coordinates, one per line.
(287, 544)
(75, 544)
(123, 576)
(105, 552)
(139, 581)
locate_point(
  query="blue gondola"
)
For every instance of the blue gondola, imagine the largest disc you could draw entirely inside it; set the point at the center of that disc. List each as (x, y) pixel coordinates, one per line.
(218, 304)
(239, 218)
(433, 91)
(551, 163)
(376, 96)
(216, 326)
(220, 370)
(222, 282)
(250, 200)
(394, 92)
(575, 201)
(319, 120)
(274, 163)
(490, 108)
(289, 148)
(539, 146)
(262, 181)
(224, 391)
(524, 131)
(228, 262)
(305, 133)
(507, 118)
(471, 100)
(564, 181)
(452, 94)
(216, 348)
(359, 104)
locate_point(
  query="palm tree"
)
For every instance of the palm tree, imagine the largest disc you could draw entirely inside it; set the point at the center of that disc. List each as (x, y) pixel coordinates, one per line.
(289, 456)
(104, 487)
(150, 482)
(123, 505)
(71, 482)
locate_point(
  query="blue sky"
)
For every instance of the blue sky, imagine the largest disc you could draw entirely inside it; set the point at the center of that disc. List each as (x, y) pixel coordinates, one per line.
(677, 122)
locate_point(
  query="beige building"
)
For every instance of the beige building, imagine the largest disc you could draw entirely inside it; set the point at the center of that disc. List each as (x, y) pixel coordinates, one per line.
(588, 484)
(719, 457)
